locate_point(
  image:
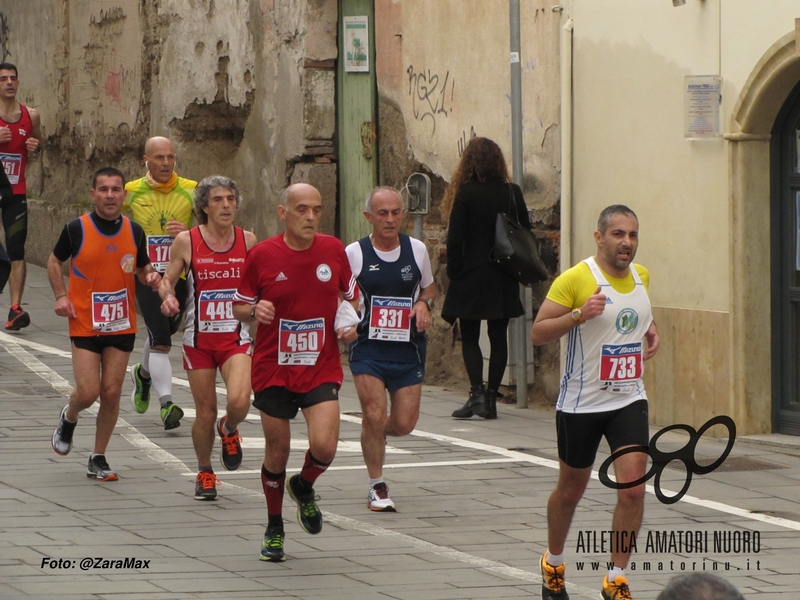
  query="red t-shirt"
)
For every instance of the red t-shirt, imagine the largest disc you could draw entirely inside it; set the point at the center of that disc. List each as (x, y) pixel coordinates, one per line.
(298, 350)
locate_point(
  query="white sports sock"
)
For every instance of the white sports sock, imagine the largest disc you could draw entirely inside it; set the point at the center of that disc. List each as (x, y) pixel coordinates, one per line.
(227, 428)
(145, 368)
(554, 560)
(614, 572)
(374, 482)
(161, 373)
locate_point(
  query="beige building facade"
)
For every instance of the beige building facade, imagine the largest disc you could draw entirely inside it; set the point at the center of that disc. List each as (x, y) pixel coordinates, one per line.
(710, 209)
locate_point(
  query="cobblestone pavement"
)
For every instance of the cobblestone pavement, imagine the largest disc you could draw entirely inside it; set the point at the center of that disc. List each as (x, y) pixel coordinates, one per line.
(471, 499)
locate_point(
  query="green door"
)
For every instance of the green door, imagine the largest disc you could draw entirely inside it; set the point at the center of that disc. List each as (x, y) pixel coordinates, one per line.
(786, 267)
(356, 115)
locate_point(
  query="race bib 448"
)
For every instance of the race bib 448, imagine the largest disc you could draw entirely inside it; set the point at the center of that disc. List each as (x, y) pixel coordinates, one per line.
(216, 311)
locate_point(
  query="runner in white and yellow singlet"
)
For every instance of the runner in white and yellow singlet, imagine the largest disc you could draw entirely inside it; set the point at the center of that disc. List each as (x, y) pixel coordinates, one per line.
(163, 204)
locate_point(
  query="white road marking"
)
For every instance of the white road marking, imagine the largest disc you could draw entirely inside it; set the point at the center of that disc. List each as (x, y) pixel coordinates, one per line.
(443, 463)
(14, 346)
(163, 457)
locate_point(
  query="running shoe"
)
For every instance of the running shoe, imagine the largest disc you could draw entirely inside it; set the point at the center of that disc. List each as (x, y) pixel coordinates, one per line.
(616, 590)
(231, 455)
(205, 486)
(17, 318)
(98, 469)
(308, 514)
(62, 436)
(140, 396)
(378, 499)
(272, 546)
(171, 415)
(553, 585)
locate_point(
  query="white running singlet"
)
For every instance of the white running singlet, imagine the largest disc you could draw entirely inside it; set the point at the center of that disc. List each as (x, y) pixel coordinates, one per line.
(605, 356)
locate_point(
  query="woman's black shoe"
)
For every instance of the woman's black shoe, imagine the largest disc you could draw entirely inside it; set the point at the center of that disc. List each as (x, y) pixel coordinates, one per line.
(476, 405)
(491, 404)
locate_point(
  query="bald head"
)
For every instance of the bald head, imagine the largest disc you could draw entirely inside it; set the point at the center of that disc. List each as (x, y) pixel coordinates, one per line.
(299, 191)
(300, 209)
(159, 158)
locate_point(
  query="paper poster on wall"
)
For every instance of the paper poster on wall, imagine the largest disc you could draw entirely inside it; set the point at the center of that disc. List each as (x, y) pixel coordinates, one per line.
(701, 106)
(356, 44)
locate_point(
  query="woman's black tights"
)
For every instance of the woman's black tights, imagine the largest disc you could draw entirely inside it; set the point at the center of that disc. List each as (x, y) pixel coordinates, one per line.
(471, 350)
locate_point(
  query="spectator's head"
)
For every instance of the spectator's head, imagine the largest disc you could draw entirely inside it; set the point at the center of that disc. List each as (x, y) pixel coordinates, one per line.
(699, 586)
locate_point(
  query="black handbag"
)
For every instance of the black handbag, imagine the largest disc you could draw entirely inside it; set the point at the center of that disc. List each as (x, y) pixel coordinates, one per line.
(516, 250)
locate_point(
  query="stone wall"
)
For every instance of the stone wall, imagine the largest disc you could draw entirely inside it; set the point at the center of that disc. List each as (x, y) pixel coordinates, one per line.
(245, 88)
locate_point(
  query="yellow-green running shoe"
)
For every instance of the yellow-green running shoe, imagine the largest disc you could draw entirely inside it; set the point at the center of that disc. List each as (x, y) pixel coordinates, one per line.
(140, 397)
(171, 415)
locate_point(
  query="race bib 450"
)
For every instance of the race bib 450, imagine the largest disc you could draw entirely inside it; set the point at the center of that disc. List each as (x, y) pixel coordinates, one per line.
(300, 342)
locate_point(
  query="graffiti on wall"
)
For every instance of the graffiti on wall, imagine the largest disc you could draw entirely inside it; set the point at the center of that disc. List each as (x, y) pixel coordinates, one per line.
(431, 94)
(464, 140)
(4, 52)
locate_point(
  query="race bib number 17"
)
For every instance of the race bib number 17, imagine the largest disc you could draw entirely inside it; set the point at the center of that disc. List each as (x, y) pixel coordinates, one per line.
(158, 248)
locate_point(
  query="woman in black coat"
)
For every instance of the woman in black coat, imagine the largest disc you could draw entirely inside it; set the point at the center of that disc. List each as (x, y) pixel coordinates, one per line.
(479, 290)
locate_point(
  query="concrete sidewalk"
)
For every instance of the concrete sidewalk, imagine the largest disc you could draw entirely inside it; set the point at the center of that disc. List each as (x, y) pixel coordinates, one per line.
(471, 499)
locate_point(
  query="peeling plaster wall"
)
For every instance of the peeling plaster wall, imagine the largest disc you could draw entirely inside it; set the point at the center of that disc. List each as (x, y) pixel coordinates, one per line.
(245, 88)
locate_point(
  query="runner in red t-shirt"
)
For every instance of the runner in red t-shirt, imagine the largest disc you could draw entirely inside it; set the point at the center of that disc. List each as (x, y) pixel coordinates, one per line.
(292, 286)
(212, 256)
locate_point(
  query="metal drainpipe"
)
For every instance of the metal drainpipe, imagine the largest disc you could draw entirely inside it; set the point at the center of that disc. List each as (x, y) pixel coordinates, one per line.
(519, 330)
(566, 144)
(566, 155)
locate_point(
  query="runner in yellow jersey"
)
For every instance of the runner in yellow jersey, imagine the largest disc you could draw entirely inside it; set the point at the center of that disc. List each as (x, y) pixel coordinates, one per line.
(163, 204)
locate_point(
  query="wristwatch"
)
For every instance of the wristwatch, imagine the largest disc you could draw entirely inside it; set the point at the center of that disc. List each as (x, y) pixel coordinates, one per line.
(253, 312)
(427, 301)
(576, 316)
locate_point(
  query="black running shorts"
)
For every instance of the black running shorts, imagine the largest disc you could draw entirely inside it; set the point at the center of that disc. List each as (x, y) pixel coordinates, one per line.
(280, 403)
(97, 343)
(579, 434)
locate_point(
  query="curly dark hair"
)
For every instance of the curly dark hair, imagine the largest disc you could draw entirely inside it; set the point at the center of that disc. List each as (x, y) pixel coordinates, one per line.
(482, 161)
(202, 194)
